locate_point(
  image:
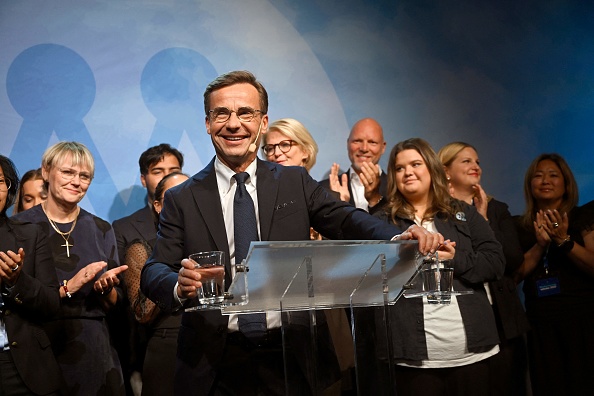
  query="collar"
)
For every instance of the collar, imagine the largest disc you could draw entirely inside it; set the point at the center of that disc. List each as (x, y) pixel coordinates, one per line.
(225, 175)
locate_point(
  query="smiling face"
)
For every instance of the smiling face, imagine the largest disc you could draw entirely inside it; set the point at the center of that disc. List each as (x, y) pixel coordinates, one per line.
(63, 191)
(413, 179)
(365, 143)
(548, 184)
(296, 156)
(465, 171)
(232, 139)
(33, 193)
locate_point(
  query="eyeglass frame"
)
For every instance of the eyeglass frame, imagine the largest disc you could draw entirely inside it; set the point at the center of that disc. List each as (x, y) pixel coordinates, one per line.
(253, 112)
(65, 172)
(274, 146)
(3, 182)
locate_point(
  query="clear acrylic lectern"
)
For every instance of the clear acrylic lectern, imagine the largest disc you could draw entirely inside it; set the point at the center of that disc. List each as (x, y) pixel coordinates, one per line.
(300, 279)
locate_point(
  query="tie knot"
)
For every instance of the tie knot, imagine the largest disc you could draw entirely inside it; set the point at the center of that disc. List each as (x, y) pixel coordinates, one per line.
(242, 177)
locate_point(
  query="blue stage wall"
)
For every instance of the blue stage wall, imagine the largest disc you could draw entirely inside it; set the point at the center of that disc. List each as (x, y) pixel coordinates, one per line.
(513, 79)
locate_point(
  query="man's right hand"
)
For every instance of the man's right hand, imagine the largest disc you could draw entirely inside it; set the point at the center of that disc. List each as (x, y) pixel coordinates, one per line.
(428, 241)
(188, 280)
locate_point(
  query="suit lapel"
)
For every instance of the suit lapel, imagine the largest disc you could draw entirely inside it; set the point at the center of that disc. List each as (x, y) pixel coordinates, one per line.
(267, 191)
(145, 224)
(206, 195)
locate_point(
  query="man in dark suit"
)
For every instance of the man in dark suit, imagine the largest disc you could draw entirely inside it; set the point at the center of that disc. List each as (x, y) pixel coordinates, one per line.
(213, 355)
(129, 336)
(364, 185)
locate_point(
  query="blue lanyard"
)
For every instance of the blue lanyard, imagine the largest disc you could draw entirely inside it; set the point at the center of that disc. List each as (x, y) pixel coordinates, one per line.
(545, 260)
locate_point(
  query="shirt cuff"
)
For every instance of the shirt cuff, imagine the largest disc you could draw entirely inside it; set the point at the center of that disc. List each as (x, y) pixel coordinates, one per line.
(180, 300)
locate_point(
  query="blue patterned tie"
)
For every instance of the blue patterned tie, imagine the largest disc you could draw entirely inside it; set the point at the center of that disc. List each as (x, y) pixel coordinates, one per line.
(253, 326)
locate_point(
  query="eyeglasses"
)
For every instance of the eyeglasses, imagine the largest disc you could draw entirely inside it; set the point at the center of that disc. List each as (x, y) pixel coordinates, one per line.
(69, 174)
(222, 114)
(284, 146)
(4, 184)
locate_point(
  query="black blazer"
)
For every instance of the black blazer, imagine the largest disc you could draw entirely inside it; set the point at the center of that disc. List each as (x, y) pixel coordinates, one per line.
(34, 298)
(140, 225)
(289, 202)
(509, 312)
(383, 188)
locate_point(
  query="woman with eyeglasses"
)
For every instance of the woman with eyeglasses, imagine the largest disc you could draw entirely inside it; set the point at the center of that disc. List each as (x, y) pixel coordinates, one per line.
(32, 191)
(85, 257)
(289, 143)
(557, 238)
(29, 296)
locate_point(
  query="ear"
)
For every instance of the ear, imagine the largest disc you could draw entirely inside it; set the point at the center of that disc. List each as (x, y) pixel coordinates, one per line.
(157, 206)
(207, 124)
(45, 174)
(143, 180)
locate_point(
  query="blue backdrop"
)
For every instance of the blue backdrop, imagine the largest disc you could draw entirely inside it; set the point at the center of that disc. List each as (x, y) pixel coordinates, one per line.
(513, 79)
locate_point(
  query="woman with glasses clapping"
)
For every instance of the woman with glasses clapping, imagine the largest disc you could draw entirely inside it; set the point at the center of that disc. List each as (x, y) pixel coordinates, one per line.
(85, 257)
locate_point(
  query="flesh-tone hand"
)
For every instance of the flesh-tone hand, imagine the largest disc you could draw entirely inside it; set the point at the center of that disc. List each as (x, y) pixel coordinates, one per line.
(447, 250)
(339, 184)
(428, 241)
(552, 218)
(542, 237)
(480, 200)
(370, 177)
(104, 285)
(11, 264)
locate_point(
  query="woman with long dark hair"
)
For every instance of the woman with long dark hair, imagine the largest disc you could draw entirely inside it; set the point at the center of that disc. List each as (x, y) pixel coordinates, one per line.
(558, 273)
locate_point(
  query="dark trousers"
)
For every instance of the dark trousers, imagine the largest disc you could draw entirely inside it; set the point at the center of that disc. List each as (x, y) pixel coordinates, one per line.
(159, 363)
(560, 355)
(11, 383)
(509, 368)
(469, 380)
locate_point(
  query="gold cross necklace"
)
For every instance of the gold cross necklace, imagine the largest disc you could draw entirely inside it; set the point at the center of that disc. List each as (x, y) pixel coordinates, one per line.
(64, 235)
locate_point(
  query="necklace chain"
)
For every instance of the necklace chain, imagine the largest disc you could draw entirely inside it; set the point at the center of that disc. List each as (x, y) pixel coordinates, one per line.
(64, 235)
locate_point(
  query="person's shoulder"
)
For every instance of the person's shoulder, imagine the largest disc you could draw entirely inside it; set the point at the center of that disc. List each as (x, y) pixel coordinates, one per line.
(139, 214)
(101, 224)
(32, 215)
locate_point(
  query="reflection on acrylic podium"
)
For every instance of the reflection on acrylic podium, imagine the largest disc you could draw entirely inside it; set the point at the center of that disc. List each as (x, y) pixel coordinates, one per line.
(300, 279)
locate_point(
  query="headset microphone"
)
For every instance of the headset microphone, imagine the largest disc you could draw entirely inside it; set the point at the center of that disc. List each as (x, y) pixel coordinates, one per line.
(252, 147)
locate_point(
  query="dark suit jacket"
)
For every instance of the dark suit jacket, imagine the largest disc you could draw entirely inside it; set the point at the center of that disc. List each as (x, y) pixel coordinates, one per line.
(289, 202)
(510, 314)
(383, 186)
(34, 298)
(140, 225)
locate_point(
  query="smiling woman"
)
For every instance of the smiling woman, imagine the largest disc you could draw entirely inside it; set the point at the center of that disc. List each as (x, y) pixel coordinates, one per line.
(509, 367)
(557, 238)
(288, 142)
(449, 343)
(86, 263)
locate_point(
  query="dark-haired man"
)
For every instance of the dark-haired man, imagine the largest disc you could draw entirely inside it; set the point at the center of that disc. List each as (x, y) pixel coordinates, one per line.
(155, 163)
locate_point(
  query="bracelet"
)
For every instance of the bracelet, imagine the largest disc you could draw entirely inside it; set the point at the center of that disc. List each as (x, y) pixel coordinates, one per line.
(378, 201)
(566, 245)
(64, 285)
